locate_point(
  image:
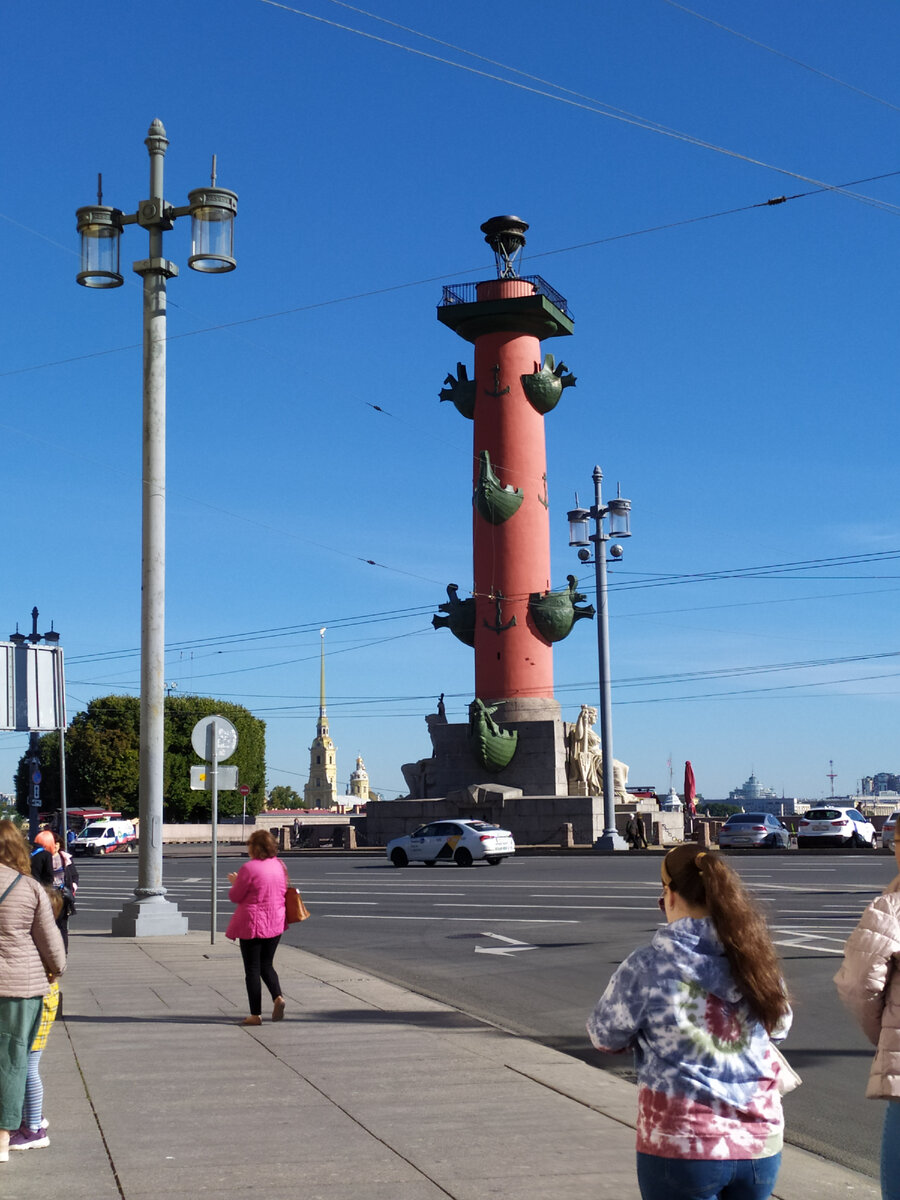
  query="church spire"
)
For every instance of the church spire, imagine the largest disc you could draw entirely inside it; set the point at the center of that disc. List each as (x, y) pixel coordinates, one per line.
(321, 790)
(322, 726)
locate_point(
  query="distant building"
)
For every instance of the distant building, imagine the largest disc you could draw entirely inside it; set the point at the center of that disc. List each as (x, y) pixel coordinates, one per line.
(751, 794)
(359, 782)
(884, 781)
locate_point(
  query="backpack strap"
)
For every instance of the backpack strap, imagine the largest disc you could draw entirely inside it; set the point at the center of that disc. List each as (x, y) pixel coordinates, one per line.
(10, 888)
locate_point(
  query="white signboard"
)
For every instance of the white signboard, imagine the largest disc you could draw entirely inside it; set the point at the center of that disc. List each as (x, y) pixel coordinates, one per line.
(201, 779)
(32, 688)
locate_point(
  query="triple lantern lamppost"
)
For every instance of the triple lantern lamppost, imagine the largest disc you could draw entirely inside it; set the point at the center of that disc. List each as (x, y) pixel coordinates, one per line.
(212, 210)
(617, 512)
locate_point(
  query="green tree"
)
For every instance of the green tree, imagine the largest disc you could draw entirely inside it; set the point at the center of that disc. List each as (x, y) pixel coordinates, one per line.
(720, 809)
(102, 758)
(283, 796)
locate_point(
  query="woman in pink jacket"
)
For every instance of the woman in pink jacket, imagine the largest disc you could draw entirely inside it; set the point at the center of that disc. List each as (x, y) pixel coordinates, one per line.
(258, 891)
(869, 985)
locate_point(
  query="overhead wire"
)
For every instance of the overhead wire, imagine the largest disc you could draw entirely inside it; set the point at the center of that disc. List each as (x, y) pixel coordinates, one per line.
(779, 53)
(564, 96)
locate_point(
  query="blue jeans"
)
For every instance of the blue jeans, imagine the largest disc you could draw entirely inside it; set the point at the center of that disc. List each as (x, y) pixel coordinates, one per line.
(706, 1178)
(890, 1152)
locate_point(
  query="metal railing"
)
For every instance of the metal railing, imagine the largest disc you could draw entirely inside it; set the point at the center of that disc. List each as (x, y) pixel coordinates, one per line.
(467, 293)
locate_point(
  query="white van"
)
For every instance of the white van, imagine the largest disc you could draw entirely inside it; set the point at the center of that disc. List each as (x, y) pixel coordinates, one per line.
(102, 837)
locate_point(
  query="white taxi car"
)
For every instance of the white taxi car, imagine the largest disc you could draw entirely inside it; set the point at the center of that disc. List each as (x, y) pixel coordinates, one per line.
(459, 841)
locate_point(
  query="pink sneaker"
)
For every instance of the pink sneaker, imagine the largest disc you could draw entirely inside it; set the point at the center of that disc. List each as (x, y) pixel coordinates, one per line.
(28, 1139)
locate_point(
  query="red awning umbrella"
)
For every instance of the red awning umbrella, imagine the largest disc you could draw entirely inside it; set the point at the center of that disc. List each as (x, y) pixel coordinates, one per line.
(690, 789)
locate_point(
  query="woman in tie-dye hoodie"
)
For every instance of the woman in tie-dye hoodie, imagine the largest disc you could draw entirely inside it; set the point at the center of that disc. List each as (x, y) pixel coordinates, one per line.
(699, 1007)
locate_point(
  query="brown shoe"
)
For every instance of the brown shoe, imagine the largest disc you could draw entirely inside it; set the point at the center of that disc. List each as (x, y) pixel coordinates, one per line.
(251, 1021)
(278, 1010)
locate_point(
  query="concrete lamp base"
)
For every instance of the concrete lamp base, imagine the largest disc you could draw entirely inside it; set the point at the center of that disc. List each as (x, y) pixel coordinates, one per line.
(153, 916)
(610, 840)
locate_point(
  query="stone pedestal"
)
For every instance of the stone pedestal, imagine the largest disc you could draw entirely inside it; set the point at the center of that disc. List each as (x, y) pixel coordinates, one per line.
(538, 767)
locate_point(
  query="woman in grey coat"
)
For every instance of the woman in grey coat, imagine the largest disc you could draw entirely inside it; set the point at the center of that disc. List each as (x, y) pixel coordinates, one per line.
(30, 946)
(869, 985)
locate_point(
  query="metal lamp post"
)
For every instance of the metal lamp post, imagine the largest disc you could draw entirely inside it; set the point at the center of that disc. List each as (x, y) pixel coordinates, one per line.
(617, 512)
(212, 212)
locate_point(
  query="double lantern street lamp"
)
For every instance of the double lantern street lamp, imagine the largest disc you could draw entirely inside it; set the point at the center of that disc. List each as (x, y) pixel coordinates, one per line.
(212, 210)
(617, 513)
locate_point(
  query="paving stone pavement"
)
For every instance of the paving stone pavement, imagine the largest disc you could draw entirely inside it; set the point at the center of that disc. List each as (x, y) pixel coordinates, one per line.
(365, 1091)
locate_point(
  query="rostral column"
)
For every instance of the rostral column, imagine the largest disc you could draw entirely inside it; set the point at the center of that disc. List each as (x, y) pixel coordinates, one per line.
(513, 618)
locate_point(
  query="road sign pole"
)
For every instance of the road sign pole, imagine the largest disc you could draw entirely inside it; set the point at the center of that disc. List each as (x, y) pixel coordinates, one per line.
(245, 792)
(212, 754)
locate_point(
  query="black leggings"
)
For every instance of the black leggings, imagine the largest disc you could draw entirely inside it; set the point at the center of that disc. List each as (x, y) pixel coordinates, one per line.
(258, 955)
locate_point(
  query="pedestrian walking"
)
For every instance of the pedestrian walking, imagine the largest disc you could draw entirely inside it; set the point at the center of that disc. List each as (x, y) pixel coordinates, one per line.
(700, 1007)
(258, 922)
(30, 947)
(868, 982)
(630, 831)
(65, 880)
(42, 860)
(636, 832)
(32, 1132)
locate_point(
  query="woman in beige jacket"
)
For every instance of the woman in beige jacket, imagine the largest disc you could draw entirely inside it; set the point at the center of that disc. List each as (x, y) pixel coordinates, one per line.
(869, 985)
(30, 946)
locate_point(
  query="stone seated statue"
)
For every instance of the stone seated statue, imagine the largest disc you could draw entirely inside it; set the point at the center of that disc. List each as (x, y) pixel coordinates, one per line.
(584, 759)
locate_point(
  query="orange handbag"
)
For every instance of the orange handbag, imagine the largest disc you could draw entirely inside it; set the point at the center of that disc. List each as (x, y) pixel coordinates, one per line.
(294, 908)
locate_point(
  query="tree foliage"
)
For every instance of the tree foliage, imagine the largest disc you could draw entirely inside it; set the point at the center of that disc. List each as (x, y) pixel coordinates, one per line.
(283, 796)
(716, 808)
(103, 751)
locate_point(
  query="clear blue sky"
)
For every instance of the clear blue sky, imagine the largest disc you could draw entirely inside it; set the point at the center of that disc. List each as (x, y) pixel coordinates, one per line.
(736, 362)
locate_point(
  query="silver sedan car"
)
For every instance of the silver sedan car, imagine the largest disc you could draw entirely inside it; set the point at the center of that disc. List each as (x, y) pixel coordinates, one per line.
(753, 829)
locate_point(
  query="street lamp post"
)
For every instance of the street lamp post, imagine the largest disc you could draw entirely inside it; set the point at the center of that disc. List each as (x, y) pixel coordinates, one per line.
(212, 212)
(617, 512)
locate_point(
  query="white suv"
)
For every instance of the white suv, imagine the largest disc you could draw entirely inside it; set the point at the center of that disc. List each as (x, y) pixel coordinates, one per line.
(835, 825)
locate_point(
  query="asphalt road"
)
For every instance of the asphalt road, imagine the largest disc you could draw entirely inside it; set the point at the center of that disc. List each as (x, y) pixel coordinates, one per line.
(531, 944)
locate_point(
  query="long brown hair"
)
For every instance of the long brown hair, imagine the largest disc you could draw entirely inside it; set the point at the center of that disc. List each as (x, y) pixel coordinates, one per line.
(14, 849)
(704, 879)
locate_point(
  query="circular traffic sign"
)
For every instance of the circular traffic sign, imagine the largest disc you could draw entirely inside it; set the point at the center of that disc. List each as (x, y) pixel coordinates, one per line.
(225, 738)
(36, 775)
(244, 790)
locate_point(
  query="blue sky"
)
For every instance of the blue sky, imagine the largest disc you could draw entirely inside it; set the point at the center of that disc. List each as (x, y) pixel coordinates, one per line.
(737, 373)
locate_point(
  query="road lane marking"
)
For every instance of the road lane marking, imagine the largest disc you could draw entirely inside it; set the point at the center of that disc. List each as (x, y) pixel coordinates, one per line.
(798, 939)
(564, 907)
(512, 946)
(403, 917)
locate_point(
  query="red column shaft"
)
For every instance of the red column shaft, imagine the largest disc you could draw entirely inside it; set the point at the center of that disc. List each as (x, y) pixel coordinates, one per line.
(511, 559)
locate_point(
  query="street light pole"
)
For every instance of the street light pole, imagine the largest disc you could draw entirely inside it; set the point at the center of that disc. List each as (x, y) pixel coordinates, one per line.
(618, 513)
(154, 271)
(610, 839)
(212, 215)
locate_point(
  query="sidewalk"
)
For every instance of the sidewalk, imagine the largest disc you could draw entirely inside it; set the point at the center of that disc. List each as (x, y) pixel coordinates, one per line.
(365, 1092)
